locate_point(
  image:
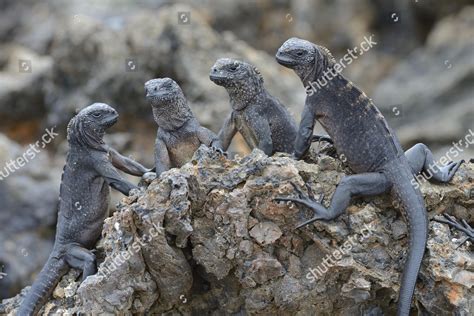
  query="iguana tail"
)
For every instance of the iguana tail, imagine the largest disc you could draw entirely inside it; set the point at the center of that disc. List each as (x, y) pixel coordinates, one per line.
(405, 190)
(44, 285)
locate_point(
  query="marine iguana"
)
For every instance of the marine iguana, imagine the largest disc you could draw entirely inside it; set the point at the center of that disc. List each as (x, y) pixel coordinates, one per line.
(370, 148)
(179, 133)
(261, 119)
(83, 200)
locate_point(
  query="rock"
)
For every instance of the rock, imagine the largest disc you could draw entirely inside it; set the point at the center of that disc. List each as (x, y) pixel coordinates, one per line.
(399, 229)
(221, 244)
(29, 197)
(22, 95)
(265, 233)
(432, 88)
(29, 23)
(209, 238)
(339, 24)
(262, 270)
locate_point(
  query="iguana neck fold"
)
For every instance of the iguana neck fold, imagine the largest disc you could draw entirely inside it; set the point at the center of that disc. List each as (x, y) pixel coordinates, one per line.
(323, 62)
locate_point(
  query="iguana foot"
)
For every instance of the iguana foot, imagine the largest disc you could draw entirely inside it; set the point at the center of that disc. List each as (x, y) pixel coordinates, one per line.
(464, 227)
(448, 171)
(148, 178)
(219, 150)
(322, 138)
(327, 148)
(320, 212)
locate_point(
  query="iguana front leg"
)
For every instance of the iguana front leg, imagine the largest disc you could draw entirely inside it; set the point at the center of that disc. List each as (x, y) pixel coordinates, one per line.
(421, 159)
(209, 139)
(364, 184)
(263, 135)
(227, 132)
(162, 158)
(305, 132)
(127, 165)
(111, 175)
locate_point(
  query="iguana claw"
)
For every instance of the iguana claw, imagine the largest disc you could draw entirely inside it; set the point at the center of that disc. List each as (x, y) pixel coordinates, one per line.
(307, 201)
(464, 227)
(219, 151)
(314, 219)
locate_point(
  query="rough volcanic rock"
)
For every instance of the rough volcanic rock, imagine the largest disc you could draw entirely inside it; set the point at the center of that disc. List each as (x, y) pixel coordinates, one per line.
(433, 87)
(28, 204)
(22, 100)
(208, 238)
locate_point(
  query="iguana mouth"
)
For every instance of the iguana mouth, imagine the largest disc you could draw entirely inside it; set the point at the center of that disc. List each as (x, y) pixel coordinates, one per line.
(218, 79)
(157, 95)
(285, 62)
(110, 122)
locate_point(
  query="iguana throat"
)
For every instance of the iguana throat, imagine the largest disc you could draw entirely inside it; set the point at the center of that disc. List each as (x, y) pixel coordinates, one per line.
(172, 113)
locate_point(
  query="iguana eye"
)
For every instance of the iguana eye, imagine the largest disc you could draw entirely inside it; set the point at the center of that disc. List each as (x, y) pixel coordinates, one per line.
(234, 67)
(96, 114)
(299, 53)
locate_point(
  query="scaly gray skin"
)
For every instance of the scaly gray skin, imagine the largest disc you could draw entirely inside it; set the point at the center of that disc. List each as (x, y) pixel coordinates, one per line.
(361, 134)
(83, 201)
(261, 119)
(179, 133)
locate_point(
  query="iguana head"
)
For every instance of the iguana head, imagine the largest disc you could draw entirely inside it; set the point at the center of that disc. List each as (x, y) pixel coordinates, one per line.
(308, 60)
(243, 81)
(170, 108)
(228, 72)
(88, 127)
(162, 90)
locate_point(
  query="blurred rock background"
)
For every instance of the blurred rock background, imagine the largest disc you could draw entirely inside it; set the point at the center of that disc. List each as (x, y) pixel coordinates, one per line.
(59, 56)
